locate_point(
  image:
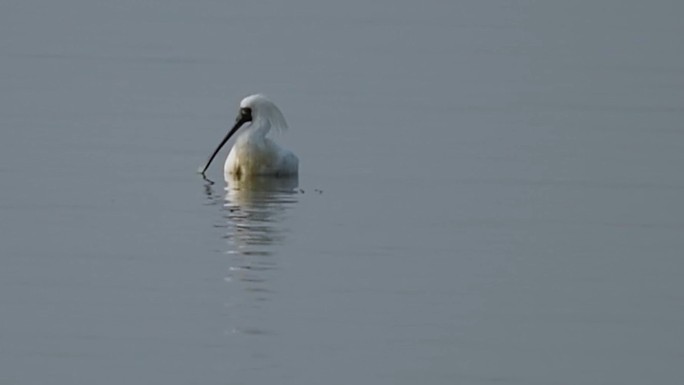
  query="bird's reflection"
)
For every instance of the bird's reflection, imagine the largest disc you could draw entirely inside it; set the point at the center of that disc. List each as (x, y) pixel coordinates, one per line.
(254, 211)
(254, 219)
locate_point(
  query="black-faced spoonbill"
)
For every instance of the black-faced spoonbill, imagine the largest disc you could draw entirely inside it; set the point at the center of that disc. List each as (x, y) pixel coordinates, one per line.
(253, 154)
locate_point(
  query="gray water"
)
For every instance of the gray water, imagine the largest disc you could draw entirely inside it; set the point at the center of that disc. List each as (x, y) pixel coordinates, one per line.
(489, 192)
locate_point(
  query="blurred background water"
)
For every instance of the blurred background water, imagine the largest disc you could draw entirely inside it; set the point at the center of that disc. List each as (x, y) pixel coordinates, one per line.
(490, 192)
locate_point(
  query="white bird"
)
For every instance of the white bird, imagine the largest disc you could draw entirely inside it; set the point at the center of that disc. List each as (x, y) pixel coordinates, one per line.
(253, 154)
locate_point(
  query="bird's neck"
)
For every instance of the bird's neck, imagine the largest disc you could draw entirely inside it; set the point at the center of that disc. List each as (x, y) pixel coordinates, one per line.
(259, 128)
(256, 132)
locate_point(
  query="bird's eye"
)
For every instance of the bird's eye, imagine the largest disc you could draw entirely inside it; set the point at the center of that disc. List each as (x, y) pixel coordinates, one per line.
(246, 111)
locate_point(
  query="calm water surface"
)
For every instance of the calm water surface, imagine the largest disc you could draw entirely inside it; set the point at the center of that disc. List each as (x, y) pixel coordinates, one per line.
(490, 192)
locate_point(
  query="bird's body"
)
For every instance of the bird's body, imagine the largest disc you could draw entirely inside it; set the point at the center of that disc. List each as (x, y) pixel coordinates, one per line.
(257, 155)
(254, 154)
